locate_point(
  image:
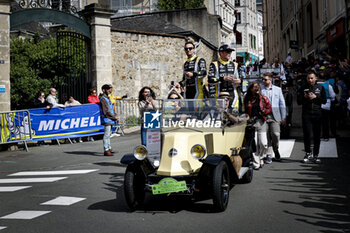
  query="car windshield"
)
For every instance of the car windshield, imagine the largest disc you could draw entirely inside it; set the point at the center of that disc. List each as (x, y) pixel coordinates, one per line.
(197, 114)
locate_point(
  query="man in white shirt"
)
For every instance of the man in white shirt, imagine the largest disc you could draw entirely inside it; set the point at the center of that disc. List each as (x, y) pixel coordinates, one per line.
(289, 58)
(52, 99)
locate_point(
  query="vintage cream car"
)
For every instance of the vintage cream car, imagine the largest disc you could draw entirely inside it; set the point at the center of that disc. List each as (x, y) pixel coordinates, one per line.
(200, 154)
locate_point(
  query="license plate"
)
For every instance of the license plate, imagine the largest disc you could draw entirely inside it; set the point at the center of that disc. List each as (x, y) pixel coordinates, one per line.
(168, 185)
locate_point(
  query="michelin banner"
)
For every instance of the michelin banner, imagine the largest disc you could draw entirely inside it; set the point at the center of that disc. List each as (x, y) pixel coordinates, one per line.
(55, 123)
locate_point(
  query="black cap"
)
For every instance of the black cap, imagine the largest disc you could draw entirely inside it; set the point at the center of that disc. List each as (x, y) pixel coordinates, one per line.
(106, 87)
(225, 47)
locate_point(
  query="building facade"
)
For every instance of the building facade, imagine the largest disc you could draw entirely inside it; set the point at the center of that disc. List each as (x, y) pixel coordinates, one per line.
(260, 38)
(272, 29)
(307, 28)
(226, 10)
(247, 26)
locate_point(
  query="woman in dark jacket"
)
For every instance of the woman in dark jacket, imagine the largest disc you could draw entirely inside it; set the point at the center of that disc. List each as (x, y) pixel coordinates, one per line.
(40, 101)
(258, 107)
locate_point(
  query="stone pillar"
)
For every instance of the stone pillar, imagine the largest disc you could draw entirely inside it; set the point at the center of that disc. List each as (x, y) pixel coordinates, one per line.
(5, 96)
(101, 54)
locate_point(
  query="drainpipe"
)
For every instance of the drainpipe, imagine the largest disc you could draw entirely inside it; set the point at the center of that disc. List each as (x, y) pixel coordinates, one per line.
(196, 46)
(346, 30)
(215, 7)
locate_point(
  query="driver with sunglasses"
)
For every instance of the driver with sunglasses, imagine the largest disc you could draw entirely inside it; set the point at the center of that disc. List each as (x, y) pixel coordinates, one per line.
(194, 71)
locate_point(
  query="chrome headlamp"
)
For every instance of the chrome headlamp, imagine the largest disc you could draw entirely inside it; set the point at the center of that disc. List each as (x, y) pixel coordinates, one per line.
(140, 152)
(198, 151)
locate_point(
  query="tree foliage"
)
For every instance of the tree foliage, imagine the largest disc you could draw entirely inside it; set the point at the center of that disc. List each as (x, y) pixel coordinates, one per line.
(36, 66)
(33, 69)
(180, 4)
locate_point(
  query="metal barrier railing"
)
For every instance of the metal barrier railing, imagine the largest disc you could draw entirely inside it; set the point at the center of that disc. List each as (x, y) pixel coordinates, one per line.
(128, 112)
(15, 126)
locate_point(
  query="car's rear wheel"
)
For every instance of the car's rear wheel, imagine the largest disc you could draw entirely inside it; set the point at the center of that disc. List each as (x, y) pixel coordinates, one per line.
(134, 184)
(221, 186)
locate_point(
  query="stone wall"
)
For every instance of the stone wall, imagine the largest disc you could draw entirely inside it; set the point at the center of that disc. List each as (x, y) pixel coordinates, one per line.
(145, 59)
(5, 54)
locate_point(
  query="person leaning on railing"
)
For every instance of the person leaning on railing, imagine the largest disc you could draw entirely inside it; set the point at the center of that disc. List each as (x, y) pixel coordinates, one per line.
(72, 102)
(40, 101)
(93, 98)
(52, 99)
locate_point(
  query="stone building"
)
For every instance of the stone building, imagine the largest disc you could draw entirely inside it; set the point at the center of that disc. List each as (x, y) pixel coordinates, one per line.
(147, 50)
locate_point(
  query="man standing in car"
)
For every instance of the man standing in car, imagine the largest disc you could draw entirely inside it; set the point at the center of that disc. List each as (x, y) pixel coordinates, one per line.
(194, 71)
(223, 76)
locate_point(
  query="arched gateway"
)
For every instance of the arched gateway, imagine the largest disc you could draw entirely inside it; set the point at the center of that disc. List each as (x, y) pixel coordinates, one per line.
(92, 44)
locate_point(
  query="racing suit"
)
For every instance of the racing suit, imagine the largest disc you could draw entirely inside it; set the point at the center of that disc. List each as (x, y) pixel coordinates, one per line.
(217, 71)
(194, 85)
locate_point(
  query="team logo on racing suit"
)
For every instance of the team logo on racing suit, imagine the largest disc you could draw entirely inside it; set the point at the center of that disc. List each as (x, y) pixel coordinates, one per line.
(151, 120)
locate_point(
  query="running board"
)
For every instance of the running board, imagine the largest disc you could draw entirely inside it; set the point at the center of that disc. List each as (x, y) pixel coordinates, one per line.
(242, 171)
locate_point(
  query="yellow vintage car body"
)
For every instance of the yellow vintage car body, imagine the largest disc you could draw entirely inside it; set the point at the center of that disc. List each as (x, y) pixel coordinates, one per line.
(215, 141)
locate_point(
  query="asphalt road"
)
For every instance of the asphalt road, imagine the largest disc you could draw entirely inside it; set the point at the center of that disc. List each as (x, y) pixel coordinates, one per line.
(283, 197)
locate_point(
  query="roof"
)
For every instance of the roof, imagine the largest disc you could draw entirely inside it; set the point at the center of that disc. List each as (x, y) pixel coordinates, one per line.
(145, 23)
(152, 24)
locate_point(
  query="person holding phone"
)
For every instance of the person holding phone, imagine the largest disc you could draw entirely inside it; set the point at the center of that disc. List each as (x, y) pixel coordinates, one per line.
(146, 104)
(311, 97)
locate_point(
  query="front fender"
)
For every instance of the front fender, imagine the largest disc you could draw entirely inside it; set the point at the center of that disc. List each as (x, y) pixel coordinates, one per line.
(213, 159)
(133, 163)
(128, 159)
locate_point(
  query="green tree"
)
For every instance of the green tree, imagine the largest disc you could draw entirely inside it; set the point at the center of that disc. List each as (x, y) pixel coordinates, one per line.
(180, 4)
(33, 67)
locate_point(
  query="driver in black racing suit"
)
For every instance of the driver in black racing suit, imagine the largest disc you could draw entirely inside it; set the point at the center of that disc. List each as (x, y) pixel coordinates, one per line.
(222, 78)
(194, 71)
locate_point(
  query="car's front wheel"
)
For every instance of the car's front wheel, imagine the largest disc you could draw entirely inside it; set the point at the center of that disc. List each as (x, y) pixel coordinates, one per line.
(221, 186)
(134, 184)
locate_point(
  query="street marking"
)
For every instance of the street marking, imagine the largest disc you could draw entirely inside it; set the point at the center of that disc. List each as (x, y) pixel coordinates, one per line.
(286, 147)
(31, 180)
(328, 149)
(1, 228)
(47, 173)
(12, 188)
(25, 214)
(63, 201)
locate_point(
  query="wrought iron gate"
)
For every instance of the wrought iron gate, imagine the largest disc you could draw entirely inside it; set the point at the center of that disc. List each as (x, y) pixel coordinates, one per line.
(73, 66)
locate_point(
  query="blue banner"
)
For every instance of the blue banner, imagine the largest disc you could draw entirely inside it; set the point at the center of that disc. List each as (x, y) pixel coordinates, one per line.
(55, 123)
